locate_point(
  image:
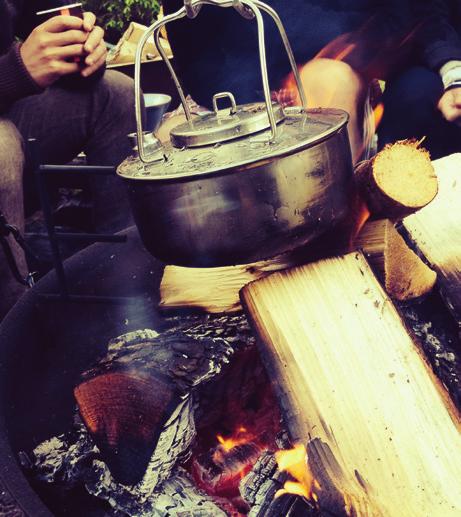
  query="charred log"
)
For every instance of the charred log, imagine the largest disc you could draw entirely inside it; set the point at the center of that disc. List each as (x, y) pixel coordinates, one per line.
(137, 402)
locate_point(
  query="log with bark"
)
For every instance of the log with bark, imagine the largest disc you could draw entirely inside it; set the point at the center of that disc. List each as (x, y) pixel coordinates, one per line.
(436, 231)
(398, 181)
(382, 436)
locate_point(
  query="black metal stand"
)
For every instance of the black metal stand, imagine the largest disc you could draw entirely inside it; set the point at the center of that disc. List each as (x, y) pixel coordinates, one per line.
(41, 173)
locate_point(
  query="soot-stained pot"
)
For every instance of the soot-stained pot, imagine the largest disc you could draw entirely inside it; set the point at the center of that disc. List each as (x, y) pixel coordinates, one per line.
(243, 183)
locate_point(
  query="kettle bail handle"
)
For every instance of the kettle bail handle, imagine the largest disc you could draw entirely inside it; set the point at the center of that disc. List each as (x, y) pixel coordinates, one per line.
(191, 8)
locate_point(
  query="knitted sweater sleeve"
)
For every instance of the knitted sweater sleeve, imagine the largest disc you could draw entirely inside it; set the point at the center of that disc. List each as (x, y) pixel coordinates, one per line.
(15, 80)
(438, 38)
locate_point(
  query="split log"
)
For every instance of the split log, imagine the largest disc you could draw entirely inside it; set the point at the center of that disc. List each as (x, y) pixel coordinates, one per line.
(382, 435)
(216, 290)
(436, 231)
(402, 273)
(398, 181)
(213, 290)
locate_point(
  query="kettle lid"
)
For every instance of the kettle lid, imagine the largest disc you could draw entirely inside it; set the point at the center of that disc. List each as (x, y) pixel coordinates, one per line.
(225, 124)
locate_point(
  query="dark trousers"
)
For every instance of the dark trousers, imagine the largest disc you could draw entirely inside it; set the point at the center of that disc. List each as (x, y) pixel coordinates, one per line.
(410, 111)
(65, 122)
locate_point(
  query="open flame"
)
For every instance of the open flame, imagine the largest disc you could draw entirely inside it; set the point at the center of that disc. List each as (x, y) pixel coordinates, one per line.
(378, 113)
(219, 470)
(361, 217)
(240, 437)
(294, 462)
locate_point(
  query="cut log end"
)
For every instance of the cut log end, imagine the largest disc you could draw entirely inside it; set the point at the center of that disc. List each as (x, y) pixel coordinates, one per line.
(398, 181)
(407, 276)
(124, 413)
(401, 272)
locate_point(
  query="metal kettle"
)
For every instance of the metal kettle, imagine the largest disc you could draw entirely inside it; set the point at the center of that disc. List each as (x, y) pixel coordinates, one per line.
(245, 182)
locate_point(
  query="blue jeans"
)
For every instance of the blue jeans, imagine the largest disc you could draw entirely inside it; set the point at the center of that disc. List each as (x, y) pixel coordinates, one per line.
(64, 122)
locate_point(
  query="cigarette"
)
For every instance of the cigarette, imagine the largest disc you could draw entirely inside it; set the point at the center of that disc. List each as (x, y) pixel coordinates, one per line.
(69, 10)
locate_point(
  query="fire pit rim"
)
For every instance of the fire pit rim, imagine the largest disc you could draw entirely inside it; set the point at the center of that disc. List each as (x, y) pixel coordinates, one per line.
(14, 485)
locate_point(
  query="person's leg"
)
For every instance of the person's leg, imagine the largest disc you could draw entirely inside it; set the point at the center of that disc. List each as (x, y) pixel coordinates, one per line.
(96, 120)
(11, 205)
(410, 111)
(334, 84)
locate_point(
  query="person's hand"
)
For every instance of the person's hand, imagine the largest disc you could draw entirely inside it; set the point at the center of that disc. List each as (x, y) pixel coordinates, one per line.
(52, 47)
(450, 105)
(94, 47)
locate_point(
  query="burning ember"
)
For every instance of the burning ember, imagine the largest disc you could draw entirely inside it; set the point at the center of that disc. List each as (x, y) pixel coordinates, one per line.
(220, 470)
(241, 438)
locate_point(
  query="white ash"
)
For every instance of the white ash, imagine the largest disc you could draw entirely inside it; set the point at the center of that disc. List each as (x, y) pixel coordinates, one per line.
(233, 328)
(190, 353)
(63, 459)
(116, 346)
(178, 496)
(438, 336)
(174, 442)
(188, 360)
(447, 356)
(425, 331)
(70, 463)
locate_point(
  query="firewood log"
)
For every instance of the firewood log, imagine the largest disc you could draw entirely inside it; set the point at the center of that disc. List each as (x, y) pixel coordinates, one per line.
(436, 231)
(382, 436)
(398, 181)
(403, 274)
(216, 290)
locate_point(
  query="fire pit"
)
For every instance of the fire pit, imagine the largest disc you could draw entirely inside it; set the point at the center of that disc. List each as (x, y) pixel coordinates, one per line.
(46, 345)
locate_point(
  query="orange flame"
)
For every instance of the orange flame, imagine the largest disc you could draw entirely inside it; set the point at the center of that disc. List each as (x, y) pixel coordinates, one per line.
(378, 113)
(361, 218)
(294, 461)
(241, 437)
(338, 54)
